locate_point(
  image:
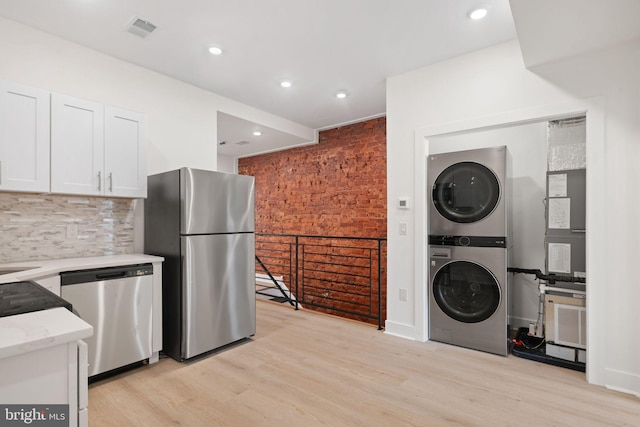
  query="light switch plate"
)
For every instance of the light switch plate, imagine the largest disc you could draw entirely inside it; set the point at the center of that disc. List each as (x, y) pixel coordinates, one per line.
(403, 228)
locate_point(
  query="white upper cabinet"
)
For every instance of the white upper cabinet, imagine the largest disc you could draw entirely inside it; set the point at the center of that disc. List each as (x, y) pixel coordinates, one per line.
(24, 138)
(96, 149)
(77, 146)
(125, 155)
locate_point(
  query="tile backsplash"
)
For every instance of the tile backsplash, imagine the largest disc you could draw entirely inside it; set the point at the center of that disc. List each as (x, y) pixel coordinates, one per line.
(38, 227)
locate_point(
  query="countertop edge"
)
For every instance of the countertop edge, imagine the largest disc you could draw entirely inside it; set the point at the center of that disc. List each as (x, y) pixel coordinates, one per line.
(23, 333)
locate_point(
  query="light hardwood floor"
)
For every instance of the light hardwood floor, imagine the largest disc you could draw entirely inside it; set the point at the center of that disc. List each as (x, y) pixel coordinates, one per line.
(307, 369)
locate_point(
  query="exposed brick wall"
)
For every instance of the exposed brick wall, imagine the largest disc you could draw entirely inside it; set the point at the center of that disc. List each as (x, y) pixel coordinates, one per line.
(334, 188)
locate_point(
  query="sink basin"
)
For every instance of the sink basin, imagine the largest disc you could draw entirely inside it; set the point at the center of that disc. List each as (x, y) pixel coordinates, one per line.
(10, 270)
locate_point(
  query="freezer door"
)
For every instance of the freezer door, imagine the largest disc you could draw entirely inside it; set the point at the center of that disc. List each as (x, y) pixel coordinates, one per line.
(219, 303)
(216, 202)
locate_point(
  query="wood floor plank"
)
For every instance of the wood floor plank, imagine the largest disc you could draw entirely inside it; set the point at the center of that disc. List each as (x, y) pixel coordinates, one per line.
(308, 369)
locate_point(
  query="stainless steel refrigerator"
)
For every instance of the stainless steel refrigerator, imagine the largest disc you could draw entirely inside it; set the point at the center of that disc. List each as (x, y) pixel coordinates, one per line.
(202, 223)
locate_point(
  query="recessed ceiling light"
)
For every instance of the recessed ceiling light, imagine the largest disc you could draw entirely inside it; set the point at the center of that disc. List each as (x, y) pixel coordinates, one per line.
(341, 94)
(215, 50)
(257, 133)
(478, 13)
(286, 83)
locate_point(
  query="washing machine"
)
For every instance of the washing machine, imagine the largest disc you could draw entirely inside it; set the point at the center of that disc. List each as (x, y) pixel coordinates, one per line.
(468, 296)
(469, 193)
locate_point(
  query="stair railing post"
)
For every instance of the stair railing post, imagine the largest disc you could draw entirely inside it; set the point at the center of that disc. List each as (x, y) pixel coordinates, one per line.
(379, 284)
(297, 290)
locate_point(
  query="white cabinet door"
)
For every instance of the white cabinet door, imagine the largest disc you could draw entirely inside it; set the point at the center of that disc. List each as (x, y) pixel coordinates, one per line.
(77, 146)
(125, 163)
(24, 138)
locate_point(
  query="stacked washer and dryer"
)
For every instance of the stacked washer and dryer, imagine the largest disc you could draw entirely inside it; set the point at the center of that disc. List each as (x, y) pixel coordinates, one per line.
(468, 248)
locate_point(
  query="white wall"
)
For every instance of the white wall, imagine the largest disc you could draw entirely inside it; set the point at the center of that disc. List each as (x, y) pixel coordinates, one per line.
(181, 119)
(527, 146)
(492, 87)
(227, 164)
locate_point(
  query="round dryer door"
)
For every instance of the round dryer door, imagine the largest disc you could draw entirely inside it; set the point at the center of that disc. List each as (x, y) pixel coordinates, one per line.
(466, 192)
(466, 291)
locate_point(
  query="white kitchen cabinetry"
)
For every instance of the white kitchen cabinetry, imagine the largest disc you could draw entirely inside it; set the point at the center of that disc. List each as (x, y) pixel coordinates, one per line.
(43, 361)
(24, 138)
(96, 149)
(77, 146)
(125, 156)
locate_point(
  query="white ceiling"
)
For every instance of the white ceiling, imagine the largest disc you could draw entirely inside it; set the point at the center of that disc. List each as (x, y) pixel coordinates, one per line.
(320, 45)
(550, 30)
(236, 138)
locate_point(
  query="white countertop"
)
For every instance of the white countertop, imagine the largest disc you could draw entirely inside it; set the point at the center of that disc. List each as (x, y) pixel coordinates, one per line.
(37, 330)
(45, 268)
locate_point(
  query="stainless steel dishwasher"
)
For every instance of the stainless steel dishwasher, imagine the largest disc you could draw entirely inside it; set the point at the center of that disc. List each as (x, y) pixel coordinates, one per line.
(116, 301)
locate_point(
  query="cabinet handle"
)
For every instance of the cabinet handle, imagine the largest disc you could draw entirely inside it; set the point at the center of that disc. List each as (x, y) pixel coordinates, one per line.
(110, 182)
(99, 180)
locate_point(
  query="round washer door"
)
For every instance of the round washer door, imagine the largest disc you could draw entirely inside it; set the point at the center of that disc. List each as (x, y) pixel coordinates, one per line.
(466, 192)
(466, 291)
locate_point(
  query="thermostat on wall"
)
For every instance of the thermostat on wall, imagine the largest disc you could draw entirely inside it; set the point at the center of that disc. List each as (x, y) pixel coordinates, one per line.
(403, 203)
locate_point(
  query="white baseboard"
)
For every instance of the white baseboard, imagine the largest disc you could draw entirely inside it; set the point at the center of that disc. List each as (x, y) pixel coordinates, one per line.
(624, 382)
(401, 330)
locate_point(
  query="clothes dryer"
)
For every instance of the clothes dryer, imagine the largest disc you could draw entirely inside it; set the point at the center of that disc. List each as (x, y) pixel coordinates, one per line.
(469, 193)
(468, 297)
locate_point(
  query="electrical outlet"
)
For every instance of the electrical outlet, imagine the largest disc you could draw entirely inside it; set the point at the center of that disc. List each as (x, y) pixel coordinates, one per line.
(403, 294)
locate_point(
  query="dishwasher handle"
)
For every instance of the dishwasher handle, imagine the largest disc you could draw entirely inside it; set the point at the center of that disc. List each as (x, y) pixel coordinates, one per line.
(107, 276)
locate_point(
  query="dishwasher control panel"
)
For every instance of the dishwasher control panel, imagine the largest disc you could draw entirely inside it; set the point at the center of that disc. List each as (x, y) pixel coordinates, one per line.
(108, 273)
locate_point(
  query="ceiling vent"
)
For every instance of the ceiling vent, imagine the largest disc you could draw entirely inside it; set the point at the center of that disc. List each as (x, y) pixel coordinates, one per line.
(140, 27)
(242, 143)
